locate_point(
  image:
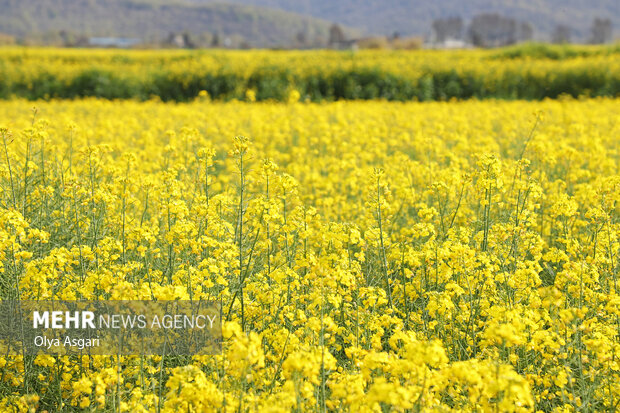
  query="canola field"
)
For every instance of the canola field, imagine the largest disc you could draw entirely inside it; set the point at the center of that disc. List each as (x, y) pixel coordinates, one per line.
(369, 256)
(530, 71)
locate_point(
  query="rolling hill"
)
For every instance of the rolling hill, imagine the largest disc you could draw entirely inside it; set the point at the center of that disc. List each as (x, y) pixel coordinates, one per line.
(274, 23)
(154, 20)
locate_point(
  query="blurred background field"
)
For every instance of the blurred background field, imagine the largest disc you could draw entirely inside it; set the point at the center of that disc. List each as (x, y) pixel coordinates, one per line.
(313, 50)
(527, 71)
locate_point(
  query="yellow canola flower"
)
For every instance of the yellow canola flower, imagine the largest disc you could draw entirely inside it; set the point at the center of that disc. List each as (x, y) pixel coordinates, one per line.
(368, 256)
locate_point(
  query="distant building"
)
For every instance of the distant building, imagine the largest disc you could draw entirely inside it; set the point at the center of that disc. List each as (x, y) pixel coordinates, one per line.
(352, 44)
(121, 42)
(379, 42)
(449, 43)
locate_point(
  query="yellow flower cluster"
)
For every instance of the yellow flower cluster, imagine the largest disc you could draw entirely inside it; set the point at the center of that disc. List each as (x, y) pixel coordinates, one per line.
(24, 64)
(369, 256)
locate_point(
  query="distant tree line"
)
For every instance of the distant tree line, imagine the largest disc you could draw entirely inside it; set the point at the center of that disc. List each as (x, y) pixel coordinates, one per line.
(495, 30)
(484, 30)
